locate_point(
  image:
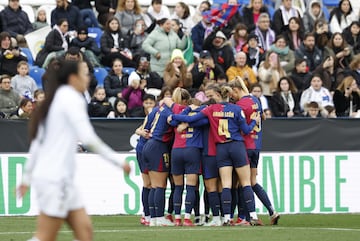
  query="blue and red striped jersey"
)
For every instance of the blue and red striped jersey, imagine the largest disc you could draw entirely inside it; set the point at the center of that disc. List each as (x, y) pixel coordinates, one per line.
(146, 125)
(250, 104)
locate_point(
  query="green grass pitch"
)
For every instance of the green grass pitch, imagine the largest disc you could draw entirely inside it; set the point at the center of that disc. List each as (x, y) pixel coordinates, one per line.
(309, 227)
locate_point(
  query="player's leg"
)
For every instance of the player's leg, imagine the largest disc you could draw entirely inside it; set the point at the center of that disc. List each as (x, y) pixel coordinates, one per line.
(47, 227)
(177, 199)
(80, 223)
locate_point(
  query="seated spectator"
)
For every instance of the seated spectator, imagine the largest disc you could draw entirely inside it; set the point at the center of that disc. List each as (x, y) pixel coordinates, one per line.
(282, 16)
(148, 103)
(309, 51)
(136, 38)
(313, 110)
(99, 106)
(242, 69)
(216, 43)
(285, 101)
(252, 12)
(134, 93)
(56, 43)
(115, 81)
(176, 73)
(127, 12)
(341, 49)
(182, 13)
(200, 32)
(160, 43)
(316, 92)
(300, 75)
(16, 22)
(9, 99)
(157, 10)
(327, 72)
(255, 54)
(256, 90)
(22, 83)
(266, 35)
(206, 69)
(347, 98)
(39, 97)
(222, 79)
(68, 11)
(270, 71)
(355, 69)
(239, 38)
(313, 12)
(40, 19)
(331, 111)
(322, 37)
(87, 46)
(154, 82)
(106, 9)
(176, 26)
(115, 45)
(286, 55)
(121, 110)
(352, 36)
(10, 55)
(200, 9)
(86, 12)
(166, 91)
(293, 33)
(342, 16)
(24, 111)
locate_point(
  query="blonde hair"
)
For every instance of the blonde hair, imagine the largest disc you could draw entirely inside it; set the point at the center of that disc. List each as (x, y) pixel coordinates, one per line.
(345, 83)
(180, 94)
(121, 6)
(239, 83)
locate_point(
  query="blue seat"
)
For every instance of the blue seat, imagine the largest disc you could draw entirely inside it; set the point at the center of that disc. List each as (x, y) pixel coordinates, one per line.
(95, 33)
(128, 70)
(36, 73)
(30, 58)
(100, 74)
(326, 13)
(331, 3)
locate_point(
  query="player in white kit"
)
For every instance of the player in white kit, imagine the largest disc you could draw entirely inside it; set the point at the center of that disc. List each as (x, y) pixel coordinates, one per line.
(55, 129)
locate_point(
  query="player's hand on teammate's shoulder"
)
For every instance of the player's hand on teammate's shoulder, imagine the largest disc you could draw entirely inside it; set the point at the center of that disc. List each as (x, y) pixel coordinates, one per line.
(256, 116)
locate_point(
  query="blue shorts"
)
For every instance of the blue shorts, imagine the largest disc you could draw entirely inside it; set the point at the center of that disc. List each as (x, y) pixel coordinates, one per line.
(155, 155)
(231, 154)
(209, 167)
(142, 165)
(185, 161)
(253, 156)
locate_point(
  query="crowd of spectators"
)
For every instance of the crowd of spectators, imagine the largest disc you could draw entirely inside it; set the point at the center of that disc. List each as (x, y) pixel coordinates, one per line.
(299, 57)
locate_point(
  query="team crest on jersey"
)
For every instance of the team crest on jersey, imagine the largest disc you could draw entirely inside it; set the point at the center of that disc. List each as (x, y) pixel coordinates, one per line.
(166, 159)
(242, 114)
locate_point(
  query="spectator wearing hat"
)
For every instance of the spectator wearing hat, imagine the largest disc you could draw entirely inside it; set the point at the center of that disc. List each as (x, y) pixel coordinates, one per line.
(134, 93)
(312, 13)
(154, 82)
(220, 49)
(265, 34)
(40, 19)
(205, 70)
(176, 74)
(254, 53)
(242, 69)
(87, 45)
(16, 22)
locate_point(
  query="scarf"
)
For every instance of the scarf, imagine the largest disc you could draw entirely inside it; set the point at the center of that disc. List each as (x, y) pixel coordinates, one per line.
(64, 41)
(266, 42)
(289, 100)
(254, 55)
(115, 36)
(286, 15)
(279, 51)
(208, 29)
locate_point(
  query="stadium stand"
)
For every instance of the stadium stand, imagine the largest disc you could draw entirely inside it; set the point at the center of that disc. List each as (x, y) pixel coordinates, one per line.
(100, 74)
(29, 56)
(95, 33)
(36, 73)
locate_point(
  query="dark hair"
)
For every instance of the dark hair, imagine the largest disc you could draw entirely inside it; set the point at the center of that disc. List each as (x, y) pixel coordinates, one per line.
(281, 36)
(24, 102)
(313, 104)
(61, 21)
(4, 76)
(117, 113)
(222, 76)
(299, 61)
(207, 3)
(163, 91)
(156, 2)
(58, 75)
(254, 86)
(5, 35)
(292, 86)
(186, 10)
(309, 34)
(149, 97)
(161, 21)
(107, 27)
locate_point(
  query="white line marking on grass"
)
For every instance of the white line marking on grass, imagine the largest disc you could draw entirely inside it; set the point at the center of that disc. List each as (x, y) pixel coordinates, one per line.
(170, 229)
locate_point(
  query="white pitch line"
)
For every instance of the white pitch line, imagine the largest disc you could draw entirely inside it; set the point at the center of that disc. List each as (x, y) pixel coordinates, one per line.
(170, 229)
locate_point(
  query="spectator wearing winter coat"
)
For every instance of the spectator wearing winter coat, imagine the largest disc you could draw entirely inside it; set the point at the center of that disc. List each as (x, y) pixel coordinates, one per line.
(67, 10)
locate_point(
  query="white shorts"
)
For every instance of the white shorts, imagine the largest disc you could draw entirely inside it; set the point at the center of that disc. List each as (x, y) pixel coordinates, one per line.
(57, 199)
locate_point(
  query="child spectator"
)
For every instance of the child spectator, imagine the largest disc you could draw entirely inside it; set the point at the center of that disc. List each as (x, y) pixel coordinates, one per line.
(312, 110)
(149, 102)
(331, 111)
(87, 45)
(22, 82)
(134, 93)
(99, 105)
(40, 20)
(121, 110)
(200, 95)
(222, 79)
(39, 96)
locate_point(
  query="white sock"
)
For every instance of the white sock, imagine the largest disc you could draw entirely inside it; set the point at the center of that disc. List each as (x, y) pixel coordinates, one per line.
(177, 216)
(187, 216)
(216, 218)
(226, 218)
(34, 239)
(253, 215)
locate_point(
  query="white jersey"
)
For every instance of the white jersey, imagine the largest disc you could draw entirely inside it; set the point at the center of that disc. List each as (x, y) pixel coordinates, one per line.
(53, 151)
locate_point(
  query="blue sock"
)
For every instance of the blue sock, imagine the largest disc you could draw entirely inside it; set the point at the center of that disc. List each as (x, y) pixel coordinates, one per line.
(145, 200)
(234, 201)
(249, 198)
(190, 198)
(171, 199)
(264, 198)
(159, 200)
(226, 201)
(214, 202)
(197, 203)
(242, 210)
(178, 192)
(151, 202)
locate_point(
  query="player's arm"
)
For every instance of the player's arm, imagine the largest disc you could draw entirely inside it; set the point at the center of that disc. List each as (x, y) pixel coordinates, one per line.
(188, 119)
(244, 127)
